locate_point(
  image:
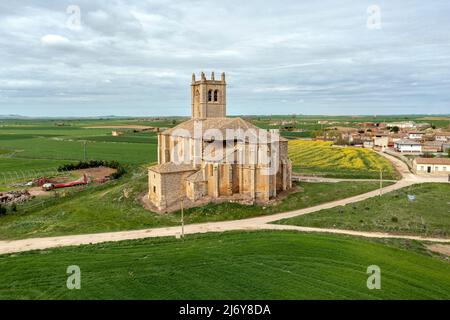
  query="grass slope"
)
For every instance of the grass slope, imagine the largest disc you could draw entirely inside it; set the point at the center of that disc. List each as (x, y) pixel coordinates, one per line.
(393, 212)
(115, 206)
(256, 265)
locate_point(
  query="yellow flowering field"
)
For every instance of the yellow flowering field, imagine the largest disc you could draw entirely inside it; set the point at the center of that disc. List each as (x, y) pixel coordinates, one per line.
(322, 157)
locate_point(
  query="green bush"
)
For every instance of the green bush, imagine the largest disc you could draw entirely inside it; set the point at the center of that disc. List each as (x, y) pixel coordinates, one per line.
(2, 210)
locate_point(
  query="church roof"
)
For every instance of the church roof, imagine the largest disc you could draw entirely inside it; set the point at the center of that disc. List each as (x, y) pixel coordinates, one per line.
(170, 167)
(221, 124)
(196, 177)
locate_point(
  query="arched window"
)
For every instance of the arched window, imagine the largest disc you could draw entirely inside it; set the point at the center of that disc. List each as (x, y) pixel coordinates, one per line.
(216, 95)
(210, 95)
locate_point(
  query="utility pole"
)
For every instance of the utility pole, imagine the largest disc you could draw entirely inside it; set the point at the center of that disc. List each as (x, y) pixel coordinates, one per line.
(85, 152)
(381, 182)
(182, 220)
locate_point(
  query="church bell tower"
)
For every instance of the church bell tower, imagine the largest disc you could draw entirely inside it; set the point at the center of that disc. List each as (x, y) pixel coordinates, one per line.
(209, 97)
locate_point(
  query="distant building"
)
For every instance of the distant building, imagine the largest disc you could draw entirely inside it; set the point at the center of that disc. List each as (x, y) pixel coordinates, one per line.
(432, 165)
(408, 146)
(402, 124)
(432, 146)
(442, 136)
(414, 135)
(381, 141)
(368, 144)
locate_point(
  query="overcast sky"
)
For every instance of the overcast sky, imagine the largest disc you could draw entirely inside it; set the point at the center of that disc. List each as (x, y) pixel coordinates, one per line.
(305, 57)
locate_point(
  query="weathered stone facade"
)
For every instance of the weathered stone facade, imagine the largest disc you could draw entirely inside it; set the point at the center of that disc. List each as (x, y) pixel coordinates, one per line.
(199, 160)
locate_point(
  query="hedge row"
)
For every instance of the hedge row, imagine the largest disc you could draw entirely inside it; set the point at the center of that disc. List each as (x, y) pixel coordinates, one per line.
(120, 170)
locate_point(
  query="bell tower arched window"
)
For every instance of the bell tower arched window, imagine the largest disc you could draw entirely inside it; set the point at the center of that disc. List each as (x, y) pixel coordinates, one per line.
(216, 95)
(210, 95)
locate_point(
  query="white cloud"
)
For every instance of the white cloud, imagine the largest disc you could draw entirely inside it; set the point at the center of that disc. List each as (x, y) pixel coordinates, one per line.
(54, 40)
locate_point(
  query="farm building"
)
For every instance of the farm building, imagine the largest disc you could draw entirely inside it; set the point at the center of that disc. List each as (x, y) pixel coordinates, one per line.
(432, 165)
(408, 146)
(218, 166)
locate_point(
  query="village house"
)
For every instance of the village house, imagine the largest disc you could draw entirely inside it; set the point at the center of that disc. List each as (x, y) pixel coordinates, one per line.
(408, 146)
(442, 136)
(432, 165)
(432, 146)
(216, 166)
(380, 142)
(415, 135)
(402, 124)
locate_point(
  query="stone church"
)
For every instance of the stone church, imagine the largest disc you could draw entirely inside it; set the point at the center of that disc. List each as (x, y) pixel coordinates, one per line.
(213, 158)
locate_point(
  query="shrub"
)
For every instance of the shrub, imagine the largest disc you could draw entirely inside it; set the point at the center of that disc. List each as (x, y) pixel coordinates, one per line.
(2, 210)
(394, 219)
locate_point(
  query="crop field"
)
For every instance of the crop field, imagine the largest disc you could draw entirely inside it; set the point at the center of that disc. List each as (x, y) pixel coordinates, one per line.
(428, 215)
(234, 265)
(34, 148)
(320, 157)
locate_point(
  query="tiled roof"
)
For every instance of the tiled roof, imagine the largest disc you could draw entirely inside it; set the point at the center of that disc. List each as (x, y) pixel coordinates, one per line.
(169, 167)
(432, 161)
(221, 124)
(196, 177)
(408, 142)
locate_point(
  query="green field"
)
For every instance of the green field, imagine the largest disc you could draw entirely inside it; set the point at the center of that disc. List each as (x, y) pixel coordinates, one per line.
(256, 265)
(115, 207)
(428, 215)
(34, 148)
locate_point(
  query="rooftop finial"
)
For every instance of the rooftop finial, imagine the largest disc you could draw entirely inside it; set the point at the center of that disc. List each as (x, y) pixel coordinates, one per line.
(212, 75)
(203, 76)
(193, 77)
(223, 76)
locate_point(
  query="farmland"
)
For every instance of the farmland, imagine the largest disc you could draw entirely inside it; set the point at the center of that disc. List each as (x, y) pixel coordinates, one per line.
(322, 158)
(235, 265)
(115, 207)
(33, 148)
(428, 215)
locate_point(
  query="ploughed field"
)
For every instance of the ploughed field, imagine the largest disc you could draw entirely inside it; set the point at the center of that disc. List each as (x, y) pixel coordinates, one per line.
(324, 159)
(253, 265)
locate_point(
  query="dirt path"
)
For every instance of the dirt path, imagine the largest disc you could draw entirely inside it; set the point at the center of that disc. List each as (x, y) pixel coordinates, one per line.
(257, 223)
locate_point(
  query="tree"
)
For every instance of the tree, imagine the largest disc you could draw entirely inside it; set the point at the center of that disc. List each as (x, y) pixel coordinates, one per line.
(395, 129)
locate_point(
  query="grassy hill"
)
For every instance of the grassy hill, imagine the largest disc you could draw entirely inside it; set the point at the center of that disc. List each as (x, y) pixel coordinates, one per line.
(256, 265)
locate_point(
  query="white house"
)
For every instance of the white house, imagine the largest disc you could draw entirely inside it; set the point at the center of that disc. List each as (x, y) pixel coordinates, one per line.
(414, 135)
(402, 124)
(381, 141)
(432, 165)
(408, 146)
